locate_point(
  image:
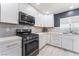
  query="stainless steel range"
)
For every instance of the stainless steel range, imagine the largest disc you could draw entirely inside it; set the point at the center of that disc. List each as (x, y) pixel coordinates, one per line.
(30, 42)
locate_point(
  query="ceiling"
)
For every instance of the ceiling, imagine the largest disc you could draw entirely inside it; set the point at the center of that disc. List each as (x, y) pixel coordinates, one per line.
(55, 8)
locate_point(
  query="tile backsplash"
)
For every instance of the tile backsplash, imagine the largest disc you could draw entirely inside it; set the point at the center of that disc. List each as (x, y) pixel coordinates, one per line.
(9, 30)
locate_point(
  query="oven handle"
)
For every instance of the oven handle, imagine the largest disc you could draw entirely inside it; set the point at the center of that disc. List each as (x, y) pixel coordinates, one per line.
(27, 42)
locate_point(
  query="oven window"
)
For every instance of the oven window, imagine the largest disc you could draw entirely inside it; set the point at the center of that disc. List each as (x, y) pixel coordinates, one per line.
(30, 47)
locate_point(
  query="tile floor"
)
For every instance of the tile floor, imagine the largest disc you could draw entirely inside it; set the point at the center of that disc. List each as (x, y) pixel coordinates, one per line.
(53, 51)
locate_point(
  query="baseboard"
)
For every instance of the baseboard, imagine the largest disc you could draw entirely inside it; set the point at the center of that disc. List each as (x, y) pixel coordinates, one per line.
(43, 47)
(63, 48)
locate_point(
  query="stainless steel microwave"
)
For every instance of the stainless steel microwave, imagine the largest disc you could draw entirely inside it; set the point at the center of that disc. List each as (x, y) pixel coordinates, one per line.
(25, 19)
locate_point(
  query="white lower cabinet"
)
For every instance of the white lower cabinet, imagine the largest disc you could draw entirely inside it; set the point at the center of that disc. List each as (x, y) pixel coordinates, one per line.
(71, 43)
(56, 41)
(76, 44)
(12, 52)
(67, 43)
(61, 41)
(11, 48)
(48, 37)
(43, 39)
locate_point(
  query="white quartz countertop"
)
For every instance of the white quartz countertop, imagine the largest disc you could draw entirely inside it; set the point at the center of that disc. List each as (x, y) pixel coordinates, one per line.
(57, 33)
(50, 33)
(10, 38)
(43, 33)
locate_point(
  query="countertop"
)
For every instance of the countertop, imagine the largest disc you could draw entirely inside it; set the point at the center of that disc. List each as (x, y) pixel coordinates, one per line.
(53, 33)
(57, 33)
(2, 39)
(43, 33)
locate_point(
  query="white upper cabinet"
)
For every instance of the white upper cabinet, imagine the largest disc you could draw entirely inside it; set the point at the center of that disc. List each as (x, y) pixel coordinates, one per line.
(9, 13)
(66, 20)
(39, 20)
(75, 19)
(48, 21)
(70, 20)
(45, 20)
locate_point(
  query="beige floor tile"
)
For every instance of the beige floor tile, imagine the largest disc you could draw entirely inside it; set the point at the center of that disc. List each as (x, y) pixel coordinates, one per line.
(53, 51)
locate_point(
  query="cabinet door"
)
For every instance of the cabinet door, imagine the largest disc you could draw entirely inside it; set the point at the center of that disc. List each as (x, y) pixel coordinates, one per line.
(65, 20)
(9, 13)
(75, 19)
(67, 42)
(56, 41)
(76, 44)
(48, 38)
(16, 51)
(39, 20)
(10, 48)
(48, 21)
(41, 43)
(42, 40)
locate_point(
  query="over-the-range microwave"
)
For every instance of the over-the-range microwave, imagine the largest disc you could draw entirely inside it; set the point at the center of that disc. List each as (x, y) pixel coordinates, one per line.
(25, 19)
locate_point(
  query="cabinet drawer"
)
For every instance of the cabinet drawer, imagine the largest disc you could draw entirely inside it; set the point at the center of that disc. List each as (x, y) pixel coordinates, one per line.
(7, 46)
(12, 52)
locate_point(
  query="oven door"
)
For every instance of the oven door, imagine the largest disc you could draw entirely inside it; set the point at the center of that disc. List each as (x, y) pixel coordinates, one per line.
(30, 48)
